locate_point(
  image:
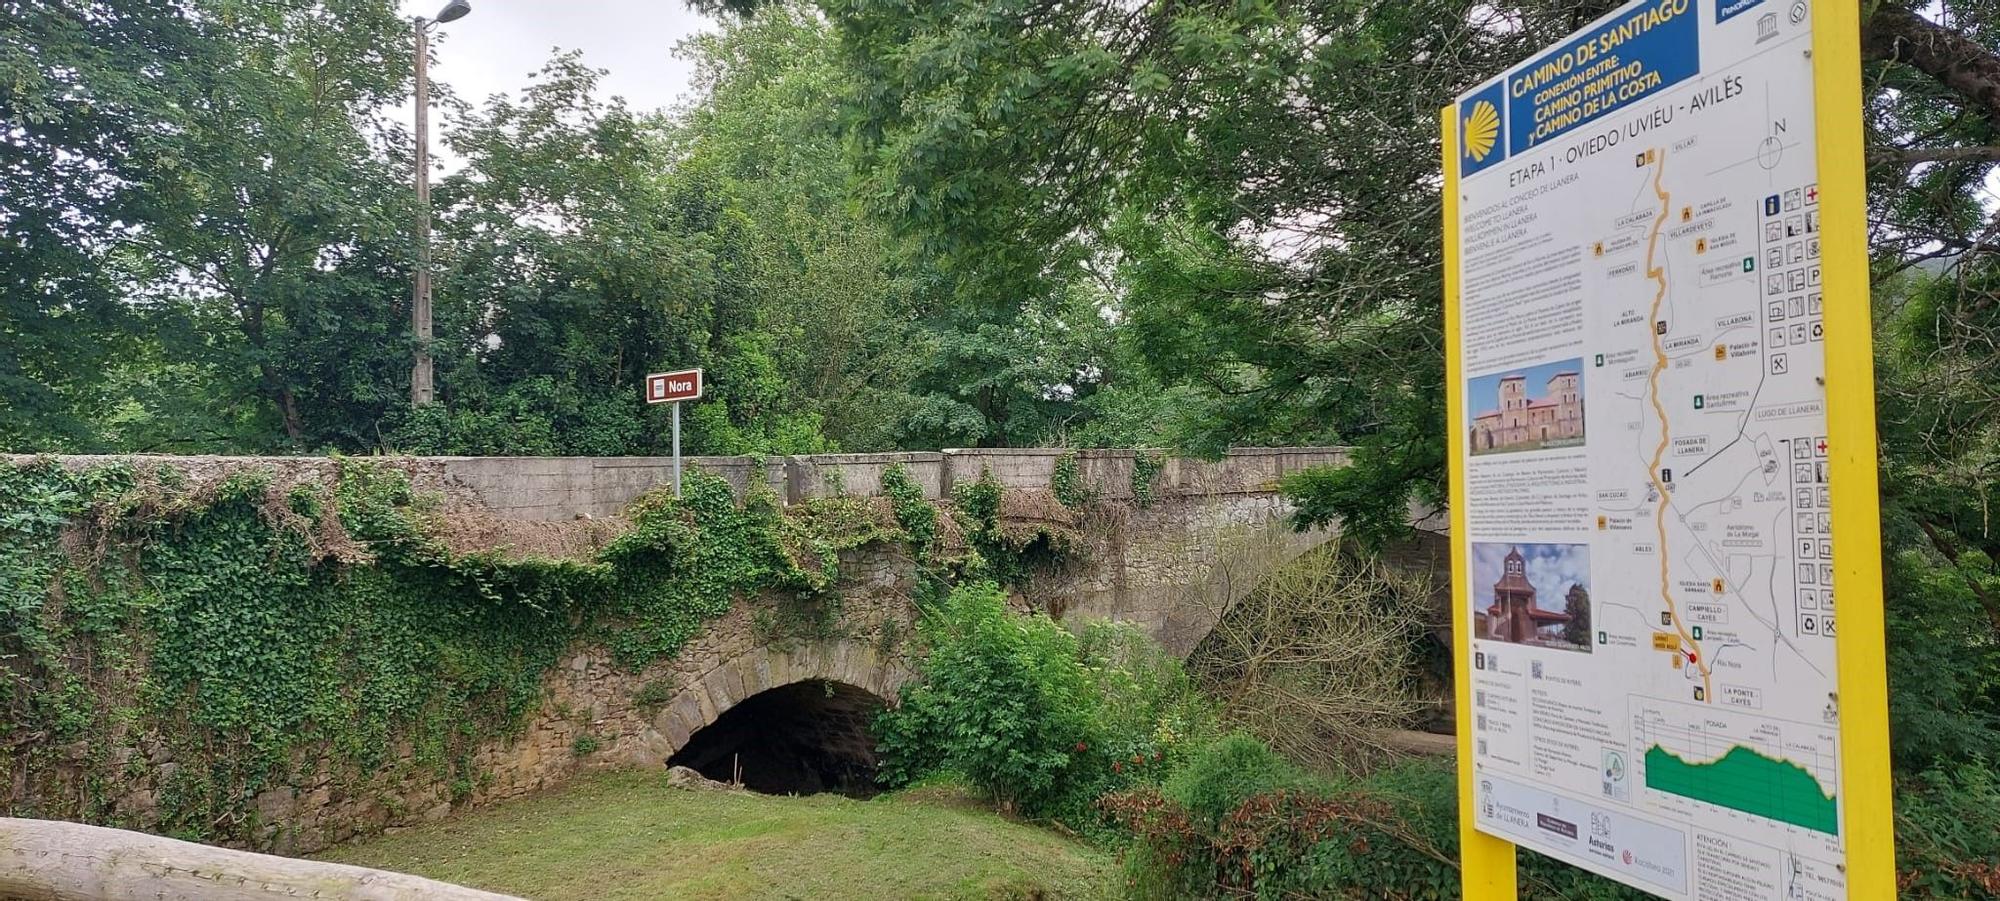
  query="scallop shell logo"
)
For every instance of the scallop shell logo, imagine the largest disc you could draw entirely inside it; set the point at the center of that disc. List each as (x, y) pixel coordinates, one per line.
(1482, 129)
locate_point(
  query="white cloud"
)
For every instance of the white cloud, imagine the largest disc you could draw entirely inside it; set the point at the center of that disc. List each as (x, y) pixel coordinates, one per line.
(495, 48)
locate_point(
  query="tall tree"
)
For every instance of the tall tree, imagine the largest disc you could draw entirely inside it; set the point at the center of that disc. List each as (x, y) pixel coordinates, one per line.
(80, 83)
(272, 218)
(1258, 179)
(764, 131)
(208, 177)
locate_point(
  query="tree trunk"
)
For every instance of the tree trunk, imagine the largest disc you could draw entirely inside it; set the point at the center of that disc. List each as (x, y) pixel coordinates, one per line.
(273, 384)
(48, 860)
(288, 407)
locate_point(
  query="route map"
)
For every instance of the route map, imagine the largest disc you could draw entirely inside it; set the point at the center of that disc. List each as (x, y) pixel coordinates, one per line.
(1646, 509)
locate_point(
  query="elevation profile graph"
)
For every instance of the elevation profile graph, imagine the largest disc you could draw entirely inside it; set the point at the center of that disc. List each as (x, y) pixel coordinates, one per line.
(1776, 770)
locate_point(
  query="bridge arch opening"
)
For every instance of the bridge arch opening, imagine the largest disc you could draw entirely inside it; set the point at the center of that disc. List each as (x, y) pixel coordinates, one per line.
(803, 738)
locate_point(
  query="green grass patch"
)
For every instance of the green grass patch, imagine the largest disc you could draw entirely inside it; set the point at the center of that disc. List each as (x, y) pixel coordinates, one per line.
(628, 835)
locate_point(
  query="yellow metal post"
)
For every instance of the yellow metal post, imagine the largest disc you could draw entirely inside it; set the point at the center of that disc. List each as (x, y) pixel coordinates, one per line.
(1486, 863)
(1868, 826)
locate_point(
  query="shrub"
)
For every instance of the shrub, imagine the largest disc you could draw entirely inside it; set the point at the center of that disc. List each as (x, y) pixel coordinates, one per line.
(1227, 773)
(1948, 834)
(653, 695)
(1001, 699)
(915, 514)
(1006, 553)
(1037, 719)
(1149, 718)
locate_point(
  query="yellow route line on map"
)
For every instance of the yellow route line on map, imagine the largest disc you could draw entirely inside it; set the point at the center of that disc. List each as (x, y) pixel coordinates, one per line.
(1659, 274)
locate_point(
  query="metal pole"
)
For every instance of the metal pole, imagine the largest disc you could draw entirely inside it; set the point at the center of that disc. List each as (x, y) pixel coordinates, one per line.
(677, 448)
(422, 390)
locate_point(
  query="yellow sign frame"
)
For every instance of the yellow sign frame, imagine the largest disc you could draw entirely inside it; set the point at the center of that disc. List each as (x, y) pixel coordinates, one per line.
(1487, 863)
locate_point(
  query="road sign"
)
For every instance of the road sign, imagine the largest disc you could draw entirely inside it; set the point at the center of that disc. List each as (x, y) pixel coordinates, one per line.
(673, 387)
(1739, 748)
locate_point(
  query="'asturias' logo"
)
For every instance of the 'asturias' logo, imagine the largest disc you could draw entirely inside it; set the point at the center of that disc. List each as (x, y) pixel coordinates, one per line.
(1482, 126)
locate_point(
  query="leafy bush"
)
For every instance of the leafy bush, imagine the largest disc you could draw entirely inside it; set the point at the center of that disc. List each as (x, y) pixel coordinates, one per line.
(1948, 834)
(1149, 717)
(686, 559)
(1938, 380)
(1002, 699)
(1229, 772)
(1146, 468)
(914, 513)
(539, 415)
(1039, 720)
(653, 695)
(1943, 706)
(1147, 702)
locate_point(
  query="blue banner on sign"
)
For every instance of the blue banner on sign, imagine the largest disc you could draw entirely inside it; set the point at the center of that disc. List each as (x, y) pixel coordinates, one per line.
(1642, 51)
(1730, 9)
(1482, 129)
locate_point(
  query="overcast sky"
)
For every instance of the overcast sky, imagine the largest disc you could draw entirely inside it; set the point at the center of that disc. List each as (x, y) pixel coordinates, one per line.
(494, 49)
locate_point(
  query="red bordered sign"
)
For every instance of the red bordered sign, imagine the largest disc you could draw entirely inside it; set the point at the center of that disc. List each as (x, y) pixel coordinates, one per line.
(668, 387)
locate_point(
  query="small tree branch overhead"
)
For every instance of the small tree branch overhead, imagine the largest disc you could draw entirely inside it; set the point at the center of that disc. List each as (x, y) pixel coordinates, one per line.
(1917, 155)
(1957, 62)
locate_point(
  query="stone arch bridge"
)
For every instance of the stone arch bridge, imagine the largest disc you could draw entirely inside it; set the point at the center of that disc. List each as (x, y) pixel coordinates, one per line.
(1164, 542)
(1165, 549)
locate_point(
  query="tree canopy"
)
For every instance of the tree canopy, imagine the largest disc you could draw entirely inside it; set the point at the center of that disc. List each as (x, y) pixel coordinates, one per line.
(883, 225)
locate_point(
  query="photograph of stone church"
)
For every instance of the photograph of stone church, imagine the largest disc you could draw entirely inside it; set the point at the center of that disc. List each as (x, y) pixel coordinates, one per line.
(1532, 594)
(1535, 408)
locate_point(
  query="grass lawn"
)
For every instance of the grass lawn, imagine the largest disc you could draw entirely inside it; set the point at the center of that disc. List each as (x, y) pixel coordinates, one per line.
(629, 835)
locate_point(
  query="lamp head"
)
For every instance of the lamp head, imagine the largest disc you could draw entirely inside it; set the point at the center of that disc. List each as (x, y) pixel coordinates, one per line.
(453, 11)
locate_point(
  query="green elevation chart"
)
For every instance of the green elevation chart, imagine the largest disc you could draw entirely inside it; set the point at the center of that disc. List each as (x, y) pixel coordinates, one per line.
(1775, 769)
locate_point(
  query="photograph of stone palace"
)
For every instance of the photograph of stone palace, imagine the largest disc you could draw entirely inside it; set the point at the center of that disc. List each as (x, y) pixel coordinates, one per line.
(1536, 408)
(1513, 581)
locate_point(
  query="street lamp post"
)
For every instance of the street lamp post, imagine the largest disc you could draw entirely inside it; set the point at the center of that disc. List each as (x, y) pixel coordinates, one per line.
(423, 388)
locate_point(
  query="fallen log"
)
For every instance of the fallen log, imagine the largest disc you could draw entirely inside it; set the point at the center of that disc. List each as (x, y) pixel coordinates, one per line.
(1425, 744)
(51, 860)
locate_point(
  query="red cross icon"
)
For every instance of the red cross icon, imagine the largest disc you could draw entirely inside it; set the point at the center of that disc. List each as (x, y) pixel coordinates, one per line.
(1812, 194)
(1820, 446)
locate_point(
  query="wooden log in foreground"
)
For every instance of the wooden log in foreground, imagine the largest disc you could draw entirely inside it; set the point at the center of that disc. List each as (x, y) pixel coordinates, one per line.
(1426, 744)
(50, 860)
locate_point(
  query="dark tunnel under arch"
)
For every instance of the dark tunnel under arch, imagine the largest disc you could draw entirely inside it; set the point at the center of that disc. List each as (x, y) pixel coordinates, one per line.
(804, 738)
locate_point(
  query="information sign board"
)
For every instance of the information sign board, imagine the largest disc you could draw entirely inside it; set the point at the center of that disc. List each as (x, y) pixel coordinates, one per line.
(673, 387)
(1670, 669)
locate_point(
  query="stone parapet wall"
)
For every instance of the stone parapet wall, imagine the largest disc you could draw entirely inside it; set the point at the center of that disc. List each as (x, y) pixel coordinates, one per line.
(568, 488)
(820, 475)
